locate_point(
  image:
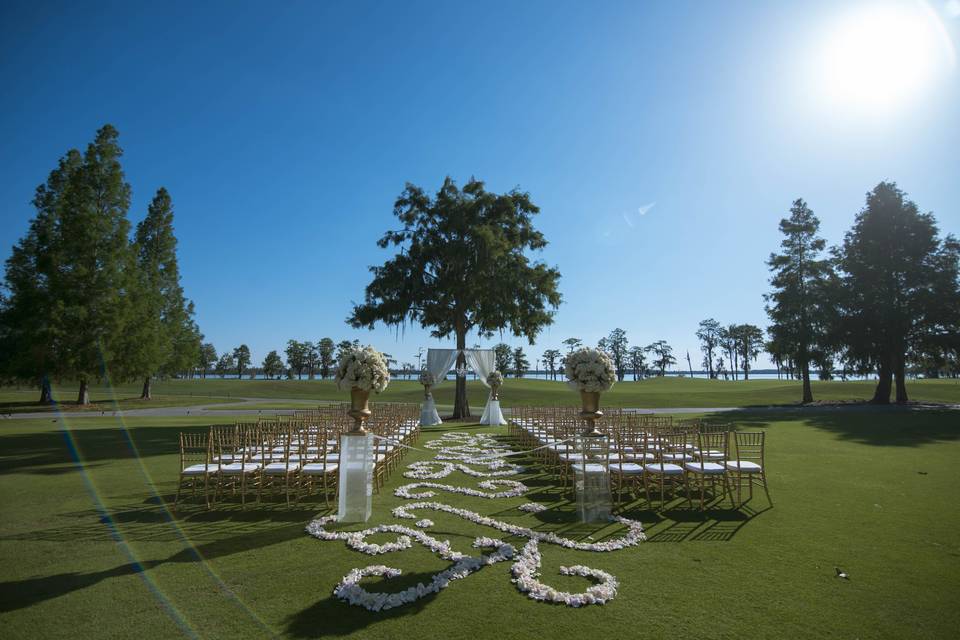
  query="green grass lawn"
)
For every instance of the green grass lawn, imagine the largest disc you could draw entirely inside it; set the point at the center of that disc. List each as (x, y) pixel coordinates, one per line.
(652, 393)
(25, 401)
(89, 550)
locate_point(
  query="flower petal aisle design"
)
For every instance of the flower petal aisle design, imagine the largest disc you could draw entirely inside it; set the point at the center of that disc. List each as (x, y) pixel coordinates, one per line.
(458, 451)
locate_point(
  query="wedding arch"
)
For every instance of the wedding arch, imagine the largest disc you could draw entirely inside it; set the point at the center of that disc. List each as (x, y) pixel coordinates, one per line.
(441, 361)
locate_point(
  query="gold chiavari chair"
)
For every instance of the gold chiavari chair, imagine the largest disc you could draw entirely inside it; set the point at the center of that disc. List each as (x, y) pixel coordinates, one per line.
(195, 465)
(748, 463)
(317, 464)
(704, 469)
(281, 461)
(624, 467)
(662, 471)
(239, 448)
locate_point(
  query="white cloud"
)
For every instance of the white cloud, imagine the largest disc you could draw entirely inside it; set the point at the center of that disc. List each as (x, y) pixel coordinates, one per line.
(645, 208)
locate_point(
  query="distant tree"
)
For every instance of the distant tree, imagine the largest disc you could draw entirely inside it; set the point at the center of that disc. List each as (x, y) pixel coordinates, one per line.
(325, 351)
(709, 336)
(799, 274)
(749, 343)
(463, 266)
(728, 340)
(617, 348)
(311, 358)
(663, 355)
(774, 348)
(550, 359)
(241, 358)
(272, 365)
(345, 346)
(637, 362)
(572, 344)
(225, 364)
(208, 358)
(602, 345)
(899, 283)
(296, 352)
(502, 357)
(720, 368)
(520, 362)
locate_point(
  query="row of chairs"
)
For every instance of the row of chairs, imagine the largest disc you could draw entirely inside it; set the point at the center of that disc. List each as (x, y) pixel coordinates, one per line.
(298, 455)
(648, 451)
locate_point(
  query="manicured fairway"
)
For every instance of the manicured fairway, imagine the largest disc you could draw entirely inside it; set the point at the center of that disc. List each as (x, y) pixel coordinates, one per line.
(89, 550)
(653, 392)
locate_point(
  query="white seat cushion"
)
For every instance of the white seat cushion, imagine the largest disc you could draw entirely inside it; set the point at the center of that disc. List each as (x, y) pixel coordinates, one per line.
(707, 468)
(626, 468)
(317, 469)
(667, 469)
(743, 466)
(240, 467)
(590, 468)
(199, 469)
(279, 468)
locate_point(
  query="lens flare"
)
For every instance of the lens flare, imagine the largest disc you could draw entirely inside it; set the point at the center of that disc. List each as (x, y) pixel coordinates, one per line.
(141, 567)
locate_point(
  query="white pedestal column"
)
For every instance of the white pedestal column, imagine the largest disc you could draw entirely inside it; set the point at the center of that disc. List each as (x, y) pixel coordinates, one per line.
(356, 478)
(592, 479)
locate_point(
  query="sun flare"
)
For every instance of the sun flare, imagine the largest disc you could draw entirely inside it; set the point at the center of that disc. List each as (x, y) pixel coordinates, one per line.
(879, 58)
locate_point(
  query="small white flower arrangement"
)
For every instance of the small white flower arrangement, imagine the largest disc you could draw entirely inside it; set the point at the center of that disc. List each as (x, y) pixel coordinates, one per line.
(364, 369)
(532, 507)
(426, 378)
(590, 370)
(495, 379)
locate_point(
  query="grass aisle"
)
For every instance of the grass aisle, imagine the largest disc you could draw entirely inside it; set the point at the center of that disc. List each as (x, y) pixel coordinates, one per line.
(91, 551)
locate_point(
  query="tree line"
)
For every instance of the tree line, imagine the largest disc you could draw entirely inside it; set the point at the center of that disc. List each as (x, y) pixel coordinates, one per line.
(886, 299)
(82, 297)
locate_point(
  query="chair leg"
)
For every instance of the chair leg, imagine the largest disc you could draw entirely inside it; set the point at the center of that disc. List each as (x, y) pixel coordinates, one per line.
(763, 476)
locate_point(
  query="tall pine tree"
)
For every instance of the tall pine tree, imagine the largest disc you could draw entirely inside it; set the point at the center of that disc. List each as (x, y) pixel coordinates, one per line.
(798, 279)
(164, 337)
(30, 334)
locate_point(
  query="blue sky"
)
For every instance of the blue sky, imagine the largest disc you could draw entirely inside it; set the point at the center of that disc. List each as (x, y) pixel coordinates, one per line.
(662, 141)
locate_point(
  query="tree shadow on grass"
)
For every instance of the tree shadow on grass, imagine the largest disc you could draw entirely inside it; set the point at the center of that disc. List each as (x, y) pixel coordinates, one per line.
(878, 426)
(17, 594)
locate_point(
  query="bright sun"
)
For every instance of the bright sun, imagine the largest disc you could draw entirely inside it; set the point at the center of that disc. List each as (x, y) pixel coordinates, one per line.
(876, 59)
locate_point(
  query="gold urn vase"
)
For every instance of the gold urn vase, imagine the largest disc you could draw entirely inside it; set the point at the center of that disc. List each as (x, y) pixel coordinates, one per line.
(495, 392)
(590, 412)
(426, 392)
(359, 410)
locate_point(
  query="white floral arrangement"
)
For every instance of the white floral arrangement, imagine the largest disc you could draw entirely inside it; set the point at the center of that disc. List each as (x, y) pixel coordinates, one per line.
(426, 378)
(590, 370)
(364, 369)
(495, 379)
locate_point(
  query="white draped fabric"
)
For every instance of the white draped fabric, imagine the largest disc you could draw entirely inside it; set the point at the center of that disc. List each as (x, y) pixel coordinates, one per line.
(440, 361)
(483, 362)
